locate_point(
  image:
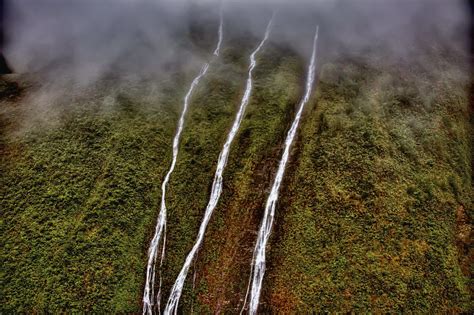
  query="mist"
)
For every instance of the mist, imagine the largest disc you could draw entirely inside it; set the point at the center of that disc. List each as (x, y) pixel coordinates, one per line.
(145, 35)
(71, 45)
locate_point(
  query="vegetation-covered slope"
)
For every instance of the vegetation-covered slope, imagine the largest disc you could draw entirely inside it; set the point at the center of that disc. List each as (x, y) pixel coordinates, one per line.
(374, 212)
(81, 197)
(381, 178)
(77, 202)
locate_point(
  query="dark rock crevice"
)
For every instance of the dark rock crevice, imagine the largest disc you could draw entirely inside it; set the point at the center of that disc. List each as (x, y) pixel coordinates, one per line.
(4, 68)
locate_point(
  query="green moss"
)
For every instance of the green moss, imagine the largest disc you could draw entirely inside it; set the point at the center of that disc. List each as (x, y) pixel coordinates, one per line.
(210, 117)
(78, 201)
(368, 218)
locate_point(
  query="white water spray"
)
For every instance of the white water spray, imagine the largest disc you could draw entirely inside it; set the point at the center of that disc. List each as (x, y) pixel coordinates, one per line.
(160, 230)
(258, 260)
(176, 291)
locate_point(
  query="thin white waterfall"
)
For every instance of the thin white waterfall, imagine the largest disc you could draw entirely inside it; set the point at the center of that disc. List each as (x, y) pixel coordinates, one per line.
(176, 291)
(159, 238)
(259, 259)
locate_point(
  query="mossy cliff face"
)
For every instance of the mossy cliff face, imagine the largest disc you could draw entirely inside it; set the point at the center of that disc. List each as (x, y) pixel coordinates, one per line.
(368, 219)
(78, 200)
(376, 199)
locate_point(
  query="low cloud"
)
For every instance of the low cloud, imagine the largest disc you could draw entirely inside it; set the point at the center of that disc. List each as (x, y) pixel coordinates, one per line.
(77, 43)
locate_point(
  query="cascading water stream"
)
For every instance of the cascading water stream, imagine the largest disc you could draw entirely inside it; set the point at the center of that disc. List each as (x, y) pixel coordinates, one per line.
(160, 230)
(258, 260)
(220, 33)
(176, 291)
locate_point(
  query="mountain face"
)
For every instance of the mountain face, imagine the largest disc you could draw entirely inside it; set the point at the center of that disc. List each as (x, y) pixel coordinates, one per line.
(374, 210)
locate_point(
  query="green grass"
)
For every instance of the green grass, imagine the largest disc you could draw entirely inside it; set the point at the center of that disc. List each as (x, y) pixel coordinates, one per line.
(369, 215)
(78, 200)
(223, 270)
(210, 118)
(368, 220)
